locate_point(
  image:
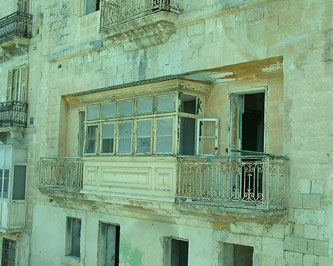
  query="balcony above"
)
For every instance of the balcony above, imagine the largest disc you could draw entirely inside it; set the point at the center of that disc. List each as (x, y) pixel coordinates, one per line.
(238, 182)
(139, 24)
(15, 32)
(13, 116)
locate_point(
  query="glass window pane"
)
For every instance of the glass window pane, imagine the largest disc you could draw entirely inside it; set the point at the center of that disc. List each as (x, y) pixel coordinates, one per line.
(165, 103)
(164, 135)
(6, 183)
(19, 182)
(126, 108)
(76, 236)
(91, 139)
(93, 112)
(125, 138)
(107, 138)
(145, 106)
(143, 141)
(109, 110)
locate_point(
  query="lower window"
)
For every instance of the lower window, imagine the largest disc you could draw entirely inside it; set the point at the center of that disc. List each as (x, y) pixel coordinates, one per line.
(109, 236)
(175, 252)
(8, 252)
(73, 237)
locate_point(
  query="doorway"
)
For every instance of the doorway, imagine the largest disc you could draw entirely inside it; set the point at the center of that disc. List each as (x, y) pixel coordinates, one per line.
(247, 140)
(247, 122)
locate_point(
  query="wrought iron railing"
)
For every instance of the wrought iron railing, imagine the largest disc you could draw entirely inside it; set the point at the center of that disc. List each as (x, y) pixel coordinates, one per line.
(13, 114)
(116, 12)
(16, 24)
(259, 181)
(61, 173)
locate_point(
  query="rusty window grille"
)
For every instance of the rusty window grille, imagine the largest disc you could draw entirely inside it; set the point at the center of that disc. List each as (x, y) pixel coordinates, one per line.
(8, 252)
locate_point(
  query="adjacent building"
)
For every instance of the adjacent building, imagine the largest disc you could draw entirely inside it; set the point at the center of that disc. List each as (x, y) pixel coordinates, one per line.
(166, 132)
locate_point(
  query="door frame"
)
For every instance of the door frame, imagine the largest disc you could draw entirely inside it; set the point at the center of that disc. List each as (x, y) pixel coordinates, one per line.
(243, 91)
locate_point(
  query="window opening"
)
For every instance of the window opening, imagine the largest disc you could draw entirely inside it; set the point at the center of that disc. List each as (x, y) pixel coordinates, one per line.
(247, 120)
(73, 237)
(237, 255)
(8, 252)
(109, 110)
(164, 135)
(93, 112)
(91, 139)
(109, 245)
(91, 6)
(23, 6)
(125, 138)
(19, 182)
(165, 104)
(143, 136)
(4, 183)
(207, 136)
(107, 138)
(145, 106)
(187, 136)
(126, 108)
(81, 133)
(188, 104)
(16, 85)
(175, 252)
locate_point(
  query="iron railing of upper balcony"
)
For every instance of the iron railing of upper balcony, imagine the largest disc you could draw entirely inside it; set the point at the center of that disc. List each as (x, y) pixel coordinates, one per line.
(13, 114)
(16, 24)
(61, 173)
(258, 181)
(116, 12)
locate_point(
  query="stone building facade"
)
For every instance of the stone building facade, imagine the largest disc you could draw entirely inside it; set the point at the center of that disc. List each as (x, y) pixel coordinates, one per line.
(166, 132)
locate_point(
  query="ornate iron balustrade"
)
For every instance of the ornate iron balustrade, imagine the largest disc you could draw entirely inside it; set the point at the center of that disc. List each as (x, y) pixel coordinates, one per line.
(254, 180)
(116, 12)
(64, 173)
(13, 114)
(16, 24)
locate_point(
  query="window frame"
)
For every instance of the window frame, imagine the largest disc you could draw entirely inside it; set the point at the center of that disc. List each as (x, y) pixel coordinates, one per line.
(101, 254)
(115, 131)
(132, 136)
(16, 251)
(84, 7)
(144, 98)
(69, 237)
(97, 138)
(151, 136)
(173, 134)
(166, 95)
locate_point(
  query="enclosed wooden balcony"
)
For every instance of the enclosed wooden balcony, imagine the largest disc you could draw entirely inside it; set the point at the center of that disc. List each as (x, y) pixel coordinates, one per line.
(236, 181)
(15, 32)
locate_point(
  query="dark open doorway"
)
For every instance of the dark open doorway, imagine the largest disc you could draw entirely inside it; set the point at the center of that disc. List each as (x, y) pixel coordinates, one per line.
(253, 122)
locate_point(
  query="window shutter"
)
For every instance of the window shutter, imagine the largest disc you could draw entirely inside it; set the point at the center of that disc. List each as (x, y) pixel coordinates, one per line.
(9, 85)
(24, 83)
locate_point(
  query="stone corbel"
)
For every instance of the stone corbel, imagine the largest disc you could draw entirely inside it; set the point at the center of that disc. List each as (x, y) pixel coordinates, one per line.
(22, 48)
(4, 53)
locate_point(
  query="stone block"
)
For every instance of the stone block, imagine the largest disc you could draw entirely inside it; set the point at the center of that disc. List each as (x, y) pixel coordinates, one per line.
(293, 258)
(299, 230)
(325, 261)
(311, 201)
(272, 247)
(310, 260)
(321, 248)
(304, 186)
(295, 200)
(317, 187)
(295, 244)
(311, 231)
